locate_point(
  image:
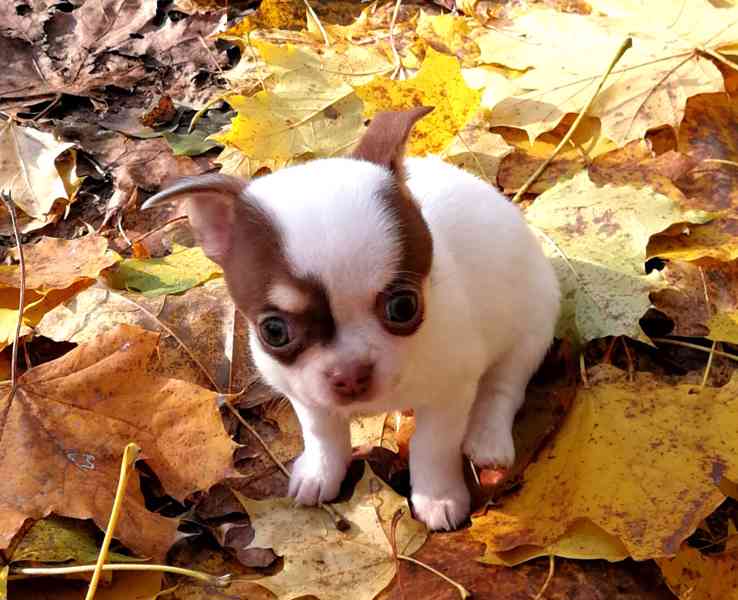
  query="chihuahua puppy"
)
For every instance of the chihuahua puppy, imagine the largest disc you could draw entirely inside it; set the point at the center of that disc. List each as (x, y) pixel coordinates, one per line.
(377, 282)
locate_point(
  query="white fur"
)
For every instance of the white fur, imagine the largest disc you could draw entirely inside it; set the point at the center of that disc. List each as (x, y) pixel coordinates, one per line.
(287, 298)
(491, 303)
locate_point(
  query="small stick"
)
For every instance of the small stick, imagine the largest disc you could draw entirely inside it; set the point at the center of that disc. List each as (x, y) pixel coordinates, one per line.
(323, 32)
(708, 307)
(463, 592)
(10, 206)
(220, 581)
(583, 370)
(629, 356)
(694, 347)
(399, 67)
(718, 57)
(539, 595)
(157, 228)
(340, 522)
(627, 43)
(130, 454)
(720, 161)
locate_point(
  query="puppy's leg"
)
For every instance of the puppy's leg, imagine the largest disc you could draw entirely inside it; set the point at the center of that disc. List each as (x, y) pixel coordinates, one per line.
(439, 494)
(501, 393)
(318, 473)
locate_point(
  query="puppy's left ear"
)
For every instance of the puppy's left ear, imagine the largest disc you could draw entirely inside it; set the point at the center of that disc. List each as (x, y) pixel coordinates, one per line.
(385, 138)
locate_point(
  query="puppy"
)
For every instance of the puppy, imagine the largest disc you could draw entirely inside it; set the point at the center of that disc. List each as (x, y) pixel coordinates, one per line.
(378, 282)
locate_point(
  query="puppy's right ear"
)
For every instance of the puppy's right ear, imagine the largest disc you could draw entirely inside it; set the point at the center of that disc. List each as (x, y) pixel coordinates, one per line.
(212, 202)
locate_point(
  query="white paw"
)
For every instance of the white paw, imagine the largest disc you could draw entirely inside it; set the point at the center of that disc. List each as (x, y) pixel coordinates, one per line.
(442, 512)
(316, 479)
(490, 449)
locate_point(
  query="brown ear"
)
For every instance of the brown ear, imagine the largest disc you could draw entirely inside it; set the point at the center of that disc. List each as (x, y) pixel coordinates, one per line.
(212, 204)
(385, 138)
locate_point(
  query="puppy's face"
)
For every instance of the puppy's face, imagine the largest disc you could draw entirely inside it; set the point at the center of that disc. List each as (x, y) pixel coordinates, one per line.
(329, 261)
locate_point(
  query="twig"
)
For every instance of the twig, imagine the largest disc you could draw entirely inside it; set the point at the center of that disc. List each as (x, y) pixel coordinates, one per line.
(720, 161)
(549, 577)
(218, 580)
(708, 307)
(463, 592)
(130, 454)
(158, 228)
(323, 32)
(171, 332)
(583, 370)
(629, 357)
(340, 522)
(658, 340)
(10, 206)
(399, 67)
(718, 57)
(627, 43)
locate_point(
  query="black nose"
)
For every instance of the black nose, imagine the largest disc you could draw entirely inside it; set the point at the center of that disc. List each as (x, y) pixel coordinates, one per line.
(350, 379)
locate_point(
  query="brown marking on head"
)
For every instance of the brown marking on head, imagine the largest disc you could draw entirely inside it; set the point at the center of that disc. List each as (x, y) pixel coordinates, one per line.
(239, 235)
(384, 144)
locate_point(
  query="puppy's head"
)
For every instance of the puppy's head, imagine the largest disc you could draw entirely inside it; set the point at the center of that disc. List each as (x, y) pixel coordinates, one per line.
(329, 262)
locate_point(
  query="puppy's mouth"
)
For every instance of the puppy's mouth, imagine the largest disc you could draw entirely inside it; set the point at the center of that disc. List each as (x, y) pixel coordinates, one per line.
(353, 399)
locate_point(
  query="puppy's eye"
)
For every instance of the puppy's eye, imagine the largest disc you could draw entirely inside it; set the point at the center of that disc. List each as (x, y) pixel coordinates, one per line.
(274, 332)
(401, 307)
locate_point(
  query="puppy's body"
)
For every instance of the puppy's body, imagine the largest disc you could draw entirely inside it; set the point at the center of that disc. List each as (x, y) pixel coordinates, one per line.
(448, 314)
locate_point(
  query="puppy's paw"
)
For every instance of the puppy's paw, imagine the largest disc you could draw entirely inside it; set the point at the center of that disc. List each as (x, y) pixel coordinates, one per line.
(442, 512)
(490, 449)
(316, 479)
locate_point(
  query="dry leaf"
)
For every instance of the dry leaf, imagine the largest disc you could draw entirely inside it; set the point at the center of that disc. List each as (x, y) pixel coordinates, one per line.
(650, 492)
(600, 236)
(64, 434)
(183, 269)
(438, 83)
(692, 575)
(325, 562)
(566, 54)
(40, 174)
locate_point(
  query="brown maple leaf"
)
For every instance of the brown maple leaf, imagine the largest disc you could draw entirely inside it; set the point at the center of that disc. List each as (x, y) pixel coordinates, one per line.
(63, 436)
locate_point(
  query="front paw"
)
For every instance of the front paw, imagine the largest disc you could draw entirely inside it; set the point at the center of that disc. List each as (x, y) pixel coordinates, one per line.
(442, 511)
(490, 449)
(316, 478)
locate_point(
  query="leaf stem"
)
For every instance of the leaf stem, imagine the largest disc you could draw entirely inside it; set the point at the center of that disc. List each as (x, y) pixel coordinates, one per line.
(7, 200)
(130, 454)
(627, 43)
(659, 340)
(220, 581)
(549, 577)
(463, 592)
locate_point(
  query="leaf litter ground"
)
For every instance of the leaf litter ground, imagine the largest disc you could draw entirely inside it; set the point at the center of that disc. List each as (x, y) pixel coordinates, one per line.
(128, 333)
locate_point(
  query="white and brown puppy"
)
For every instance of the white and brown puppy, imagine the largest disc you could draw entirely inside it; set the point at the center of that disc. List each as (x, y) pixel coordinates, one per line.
(377, 282)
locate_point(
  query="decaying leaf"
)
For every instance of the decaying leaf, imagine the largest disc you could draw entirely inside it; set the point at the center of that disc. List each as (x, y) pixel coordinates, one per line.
(438, 83)
(49, 281)
(566, 54)
(309, 108)
(325, 562)
(649, 493)
(59, 539)
(692, 575)
(600, 236)
(64, 433)
(183, 269)
(40, 174)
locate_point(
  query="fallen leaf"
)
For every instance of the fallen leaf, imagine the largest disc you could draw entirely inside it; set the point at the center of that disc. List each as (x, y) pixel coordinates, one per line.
(204, 319)
(308, 108)
(33, 171)
(601, 234)
(139, 585)
(449, 34)
(322, 561)
(438, 83)
(183, 269)
(692, 575)
(717, 239)
(59, 539)
(49, 282)
(64, 433)
(566, 55)
(650, 494)
(701, 299)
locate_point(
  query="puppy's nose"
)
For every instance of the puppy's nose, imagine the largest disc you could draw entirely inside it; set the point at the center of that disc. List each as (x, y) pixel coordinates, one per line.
(350, 379)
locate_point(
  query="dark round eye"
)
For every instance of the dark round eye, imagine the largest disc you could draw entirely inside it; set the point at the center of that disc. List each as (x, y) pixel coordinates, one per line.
(274, 331)
(401, 307)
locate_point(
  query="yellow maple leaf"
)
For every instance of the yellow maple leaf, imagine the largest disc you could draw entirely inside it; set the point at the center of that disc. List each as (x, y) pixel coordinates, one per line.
(438, 83)
(639, 459)
(566, 54)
